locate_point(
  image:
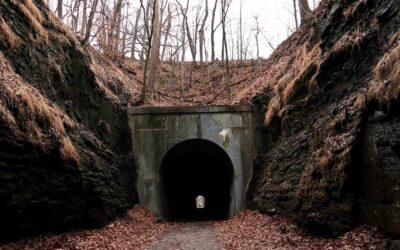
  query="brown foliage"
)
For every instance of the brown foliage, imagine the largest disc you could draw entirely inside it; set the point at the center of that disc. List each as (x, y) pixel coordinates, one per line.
(319, 162)
(353, 8)
(273, 108)
(291, 76)
(7, 35)
(253, 230)
(68, 150)
(360, 102)
(351, 39)
(138, 229)
(387, 76)
(29, 113)
(34, 16)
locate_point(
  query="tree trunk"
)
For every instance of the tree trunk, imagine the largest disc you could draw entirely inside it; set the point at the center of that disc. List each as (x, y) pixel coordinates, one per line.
(60, 9)
(124, 34)
(84, 17)
(117, 32)
(113, 25)
(135, 31)
(304, 10)
(155, 49)
(192, 45)
(169, 24)
(213, 31)
(201, 34)
(145, 50)
(183, 39)
(296, 21)
(241, 33)
(90, 22)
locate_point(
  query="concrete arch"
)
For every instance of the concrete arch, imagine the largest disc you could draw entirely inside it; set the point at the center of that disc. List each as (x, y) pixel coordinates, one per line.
(155, 131)
(196, 167)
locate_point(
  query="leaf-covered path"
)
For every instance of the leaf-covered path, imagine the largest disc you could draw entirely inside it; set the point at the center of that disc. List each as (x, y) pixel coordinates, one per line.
(140, 229)
(190, 236)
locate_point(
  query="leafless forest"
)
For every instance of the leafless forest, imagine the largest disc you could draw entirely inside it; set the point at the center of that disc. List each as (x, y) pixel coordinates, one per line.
(175, 31)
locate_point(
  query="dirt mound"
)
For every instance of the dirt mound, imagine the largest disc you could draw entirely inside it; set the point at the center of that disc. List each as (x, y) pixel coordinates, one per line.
(65, 152)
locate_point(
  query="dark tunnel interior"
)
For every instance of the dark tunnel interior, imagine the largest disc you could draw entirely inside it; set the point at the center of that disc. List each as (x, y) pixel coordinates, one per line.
(193, 168)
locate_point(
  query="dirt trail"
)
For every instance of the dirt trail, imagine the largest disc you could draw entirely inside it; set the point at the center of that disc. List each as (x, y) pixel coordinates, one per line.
(191, 236)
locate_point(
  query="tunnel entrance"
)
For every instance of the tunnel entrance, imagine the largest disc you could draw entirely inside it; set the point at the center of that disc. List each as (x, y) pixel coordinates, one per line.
(193, 168)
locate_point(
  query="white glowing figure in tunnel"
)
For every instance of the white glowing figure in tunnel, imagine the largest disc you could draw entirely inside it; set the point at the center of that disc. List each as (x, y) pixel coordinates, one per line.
(200, 202)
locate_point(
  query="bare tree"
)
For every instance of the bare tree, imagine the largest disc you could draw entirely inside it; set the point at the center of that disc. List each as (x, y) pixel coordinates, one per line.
(213, 29)
(225, 4)
(167, 32)
(146, 38)
(201, 33)
(183, 32)
(117, 33)
(84, 17)
(240, 47)
(90, 22)
(296, 21)
(192, 41)
(125, 33)
(113, 26)
(257, 36)
(135, 32)
(304, 10)
(60, 9)
(155, 48)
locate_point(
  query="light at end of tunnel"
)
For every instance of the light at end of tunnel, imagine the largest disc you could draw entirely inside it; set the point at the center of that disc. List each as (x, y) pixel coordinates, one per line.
(200, 202)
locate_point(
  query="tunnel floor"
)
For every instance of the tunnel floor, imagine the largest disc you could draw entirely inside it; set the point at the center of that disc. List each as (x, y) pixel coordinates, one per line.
(193, 168)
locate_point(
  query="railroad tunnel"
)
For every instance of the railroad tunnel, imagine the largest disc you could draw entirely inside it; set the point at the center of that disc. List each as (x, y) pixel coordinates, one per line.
(192, 168)
(182, 153)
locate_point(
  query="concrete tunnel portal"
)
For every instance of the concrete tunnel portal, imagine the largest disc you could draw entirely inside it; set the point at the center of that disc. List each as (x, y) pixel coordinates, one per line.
(192, 168)
(186, 152)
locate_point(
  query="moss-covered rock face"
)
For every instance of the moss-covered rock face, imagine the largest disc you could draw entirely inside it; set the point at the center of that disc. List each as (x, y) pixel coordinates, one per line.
(79, 174)
(311, 165)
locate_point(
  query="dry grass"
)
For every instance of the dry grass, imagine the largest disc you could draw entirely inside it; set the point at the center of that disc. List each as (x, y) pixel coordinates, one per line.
(57, 68)
(36, 107)
(351, 39)
(319, 162)
(387, 77)
(290, 75)
(66, 35)
(305, 58)
(34, 16)
(352, 9)
(273, 108)
(113, 85)
(360, 102)
(6, 116)
(34, 10)
(324, 159)
(395, 39)
(7, 34)
(29, 113)
(68, 150)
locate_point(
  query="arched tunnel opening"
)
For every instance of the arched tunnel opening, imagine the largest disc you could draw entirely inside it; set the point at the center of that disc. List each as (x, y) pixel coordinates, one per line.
(196, 168)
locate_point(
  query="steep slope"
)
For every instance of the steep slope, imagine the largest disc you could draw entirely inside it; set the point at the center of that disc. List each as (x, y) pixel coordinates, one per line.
(65, 149)
(329, 157)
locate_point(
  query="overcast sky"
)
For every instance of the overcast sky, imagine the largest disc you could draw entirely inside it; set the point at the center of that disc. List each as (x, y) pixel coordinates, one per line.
(275, 18)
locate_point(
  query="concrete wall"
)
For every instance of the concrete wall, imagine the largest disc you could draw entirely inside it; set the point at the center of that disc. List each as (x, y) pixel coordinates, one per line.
(155, 130)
